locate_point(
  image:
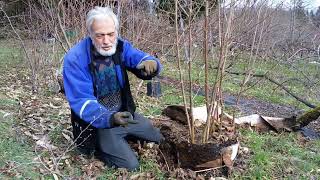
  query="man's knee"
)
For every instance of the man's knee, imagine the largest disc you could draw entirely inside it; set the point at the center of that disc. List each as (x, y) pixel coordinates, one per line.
(131, 164)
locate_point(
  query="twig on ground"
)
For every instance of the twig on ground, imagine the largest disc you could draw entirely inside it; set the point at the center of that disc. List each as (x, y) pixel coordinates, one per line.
(209, 169)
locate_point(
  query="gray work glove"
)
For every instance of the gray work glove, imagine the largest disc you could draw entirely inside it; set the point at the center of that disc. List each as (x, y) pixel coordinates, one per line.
(149, 66)
(122, 119)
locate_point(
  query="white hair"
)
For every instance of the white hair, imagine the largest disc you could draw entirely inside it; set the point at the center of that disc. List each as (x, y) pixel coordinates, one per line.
(101, 13)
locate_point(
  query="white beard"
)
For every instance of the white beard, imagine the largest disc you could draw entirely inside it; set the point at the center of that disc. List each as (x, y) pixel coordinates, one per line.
(106, 53)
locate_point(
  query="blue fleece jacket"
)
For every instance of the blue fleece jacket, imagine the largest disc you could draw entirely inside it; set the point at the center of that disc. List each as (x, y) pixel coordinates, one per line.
(78, 80)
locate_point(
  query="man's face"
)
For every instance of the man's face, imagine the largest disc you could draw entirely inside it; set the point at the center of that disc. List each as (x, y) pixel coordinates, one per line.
(104, 36)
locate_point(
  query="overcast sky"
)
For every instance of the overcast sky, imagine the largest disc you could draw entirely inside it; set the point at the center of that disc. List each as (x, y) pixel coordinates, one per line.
(287, 4)
(310, 4)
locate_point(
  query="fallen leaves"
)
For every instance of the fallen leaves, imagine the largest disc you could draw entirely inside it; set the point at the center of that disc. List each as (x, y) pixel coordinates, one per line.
(44, 142)
(93, 169)
(180, 173)
(39, 115)
(10, 170)
(67, 137)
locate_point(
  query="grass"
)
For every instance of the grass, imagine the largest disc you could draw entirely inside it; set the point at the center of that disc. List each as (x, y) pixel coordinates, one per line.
(9, 56)
(169, 96)
(278, 156)
(261, 88)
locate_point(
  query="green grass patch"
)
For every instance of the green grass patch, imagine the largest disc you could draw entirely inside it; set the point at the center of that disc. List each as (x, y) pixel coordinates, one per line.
(9, 55)
(55, 135)
(7, 104)
(290, 75)
(277, 156)
(151, 166)
(170, 96)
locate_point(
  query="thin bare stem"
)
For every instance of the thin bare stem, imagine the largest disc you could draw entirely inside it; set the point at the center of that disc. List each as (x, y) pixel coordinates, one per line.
(179, 67)
(190, 74)
(205, 54)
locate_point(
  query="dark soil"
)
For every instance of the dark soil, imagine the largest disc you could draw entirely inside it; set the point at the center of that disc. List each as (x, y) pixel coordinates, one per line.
(177, 153)
(190, 156)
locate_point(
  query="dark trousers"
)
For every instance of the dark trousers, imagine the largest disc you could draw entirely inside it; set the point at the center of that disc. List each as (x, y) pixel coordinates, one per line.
(112, 146)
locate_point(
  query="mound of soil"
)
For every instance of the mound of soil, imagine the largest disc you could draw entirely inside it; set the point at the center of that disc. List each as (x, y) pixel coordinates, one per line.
(178, 153)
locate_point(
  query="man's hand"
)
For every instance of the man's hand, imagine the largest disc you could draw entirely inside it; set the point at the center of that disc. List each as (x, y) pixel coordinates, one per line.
(122, 119)
(149, 66)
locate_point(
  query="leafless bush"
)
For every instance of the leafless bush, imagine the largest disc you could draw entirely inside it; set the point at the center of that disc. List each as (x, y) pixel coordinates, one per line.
(150, 32)
(52, 27)
(252, 33)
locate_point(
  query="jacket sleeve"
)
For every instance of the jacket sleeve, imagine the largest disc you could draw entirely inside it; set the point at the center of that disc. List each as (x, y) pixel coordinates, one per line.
(133, 57)
(80, 94)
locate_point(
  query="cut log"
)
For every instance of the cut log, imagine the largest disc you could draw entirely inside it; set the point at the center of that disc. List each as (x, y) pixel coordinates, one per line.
(261, 123)
(308, 117)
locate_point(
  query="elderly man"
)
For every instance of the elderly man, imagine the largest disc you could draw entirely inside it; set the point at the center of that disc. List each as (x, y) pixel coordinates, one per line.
(98, 91)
